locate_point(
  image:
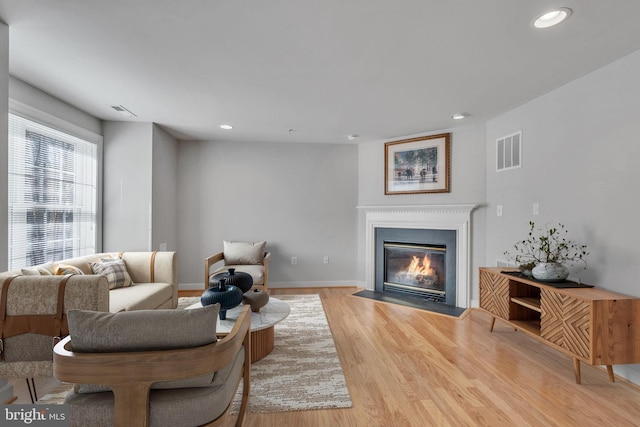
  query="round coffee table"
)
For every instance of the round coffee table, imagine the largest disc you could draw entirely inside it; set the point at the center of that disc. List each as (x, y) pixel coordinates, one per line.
(262, 323)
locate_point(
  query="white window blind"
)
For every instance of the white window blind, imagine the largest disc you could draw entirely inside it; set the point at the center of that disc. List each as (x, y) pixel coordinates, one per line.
(52, 194)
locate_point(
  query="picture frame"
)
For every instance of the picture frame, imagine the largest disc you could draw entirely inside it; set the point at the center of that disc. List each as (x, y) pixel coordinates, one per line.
(418, 165)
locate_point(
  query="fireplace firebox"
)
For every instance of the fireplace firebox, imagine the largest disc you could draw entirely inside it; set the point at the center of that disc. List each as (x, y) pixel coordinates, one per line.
(415, 269)
(419, 263)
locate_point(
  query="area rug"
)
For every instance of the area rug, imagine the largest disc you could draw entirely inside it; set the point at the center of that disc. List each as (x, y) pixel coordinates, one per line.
(303, 371)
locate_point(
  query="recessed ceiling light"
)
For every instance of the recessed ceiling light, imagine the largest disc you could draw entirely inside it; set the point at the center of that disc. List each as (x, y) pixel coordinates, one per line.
(459, 116)
(352, 136)
(226, 127)
(551, 18)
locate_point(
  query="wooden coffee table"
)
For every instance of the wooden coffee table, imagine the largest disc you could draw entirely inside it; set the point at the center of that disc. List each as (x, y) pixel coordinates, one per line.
(262, 325)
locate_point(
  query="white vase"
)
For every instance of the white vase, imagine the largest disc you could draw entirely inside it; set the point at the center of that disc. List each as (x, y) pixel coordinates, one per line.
(550, 272)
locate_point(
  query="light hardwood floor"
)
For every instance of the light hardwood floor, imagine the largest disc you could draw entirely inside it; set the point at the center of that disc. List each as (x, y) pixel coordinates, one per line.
(408, 367)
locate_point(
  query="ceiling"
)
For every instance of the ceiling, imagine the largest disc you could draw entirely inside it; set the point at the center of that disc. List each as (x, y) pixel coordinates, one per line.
(308, 71)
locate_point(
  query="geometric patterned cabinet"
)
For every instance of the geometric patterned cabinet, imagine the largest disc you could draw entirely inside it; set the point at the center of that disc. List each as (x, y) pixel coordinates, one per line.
(591, 325)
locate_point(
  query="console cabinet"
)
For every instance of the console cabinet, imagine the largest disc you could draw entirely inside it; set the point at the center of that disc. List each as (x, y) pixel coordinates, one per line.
(591, 325)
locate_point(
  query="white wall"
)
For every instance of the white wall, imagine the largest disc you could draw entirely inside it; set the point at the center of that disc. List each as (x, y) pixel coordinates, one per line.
(76, 121)
(581, 151)
(300, 198)
(165, 190)
(4, 149)
(127, 194)
(467, 185)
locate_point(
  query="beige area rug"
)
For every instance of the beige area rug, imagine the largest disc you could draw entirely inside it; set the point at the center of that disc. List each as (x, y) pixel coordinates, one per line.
(303, 371)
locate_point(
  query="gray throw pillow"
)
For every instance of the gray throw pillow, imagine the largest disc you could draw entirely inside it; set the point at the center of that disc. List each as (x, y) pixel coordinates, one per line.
(142, 330)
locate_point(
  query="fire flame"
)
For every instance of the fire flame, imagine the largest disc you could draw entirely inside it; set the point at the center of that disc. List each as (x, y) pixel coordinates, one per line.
(419, 267)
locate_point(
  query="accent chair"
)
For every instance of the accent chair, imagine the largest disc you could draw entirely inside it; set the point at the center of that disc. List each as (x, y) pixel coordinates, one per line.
(246, 257)
(154, 367)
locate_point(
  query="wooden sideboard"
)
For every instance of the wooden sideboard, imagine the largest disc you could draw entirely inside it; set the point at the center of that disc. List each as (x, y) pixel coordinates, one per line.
(592, 325)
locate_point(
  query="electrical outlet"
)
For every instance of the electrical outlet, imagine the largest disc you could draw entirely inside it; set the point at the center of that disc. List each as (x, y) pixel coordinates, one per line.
(326, 260)
(294, 260)
(536, 208)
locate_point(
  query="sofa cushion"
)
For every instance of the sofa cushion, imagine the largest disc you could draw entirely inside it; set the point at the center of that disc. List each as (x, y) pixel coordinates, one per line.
(142, 296)
(142, 330)
(115, 271)
(243, 253)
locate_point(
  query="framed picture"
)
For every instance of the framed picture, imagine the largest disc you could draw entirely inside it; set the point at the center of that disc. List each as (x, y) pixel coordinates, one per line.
(417, 165)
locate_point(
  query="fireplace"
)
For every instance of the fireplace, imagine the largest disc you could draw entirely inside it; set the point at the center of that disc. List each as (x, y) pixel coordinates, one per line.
(416, 262)
(415, 269)
(452, 219)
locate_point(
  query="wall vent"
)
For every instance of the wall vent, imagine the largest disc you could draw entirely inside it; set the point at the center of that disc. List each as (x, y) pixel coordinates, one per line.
(509, 152)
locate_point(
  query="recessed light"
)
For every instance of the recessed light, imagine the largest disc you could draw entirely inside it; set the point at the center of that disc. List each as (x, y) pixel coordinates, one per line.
(226, 127)
(459, 116)
(551, 18)
(352, 136)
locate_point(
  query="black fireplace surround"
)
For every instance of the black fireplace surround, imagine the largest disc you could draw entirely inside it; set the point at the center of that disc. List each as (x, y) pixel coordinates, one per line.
(445, 239)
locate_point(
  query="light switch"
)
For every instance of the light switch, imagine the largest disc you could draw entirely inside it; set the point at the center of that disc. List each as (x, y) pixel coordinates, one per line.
(499, 210)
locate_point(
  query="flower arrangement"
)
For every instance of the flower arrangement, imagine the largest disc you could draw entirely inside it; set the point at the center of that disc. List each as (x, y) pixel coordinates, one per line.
(547, 245)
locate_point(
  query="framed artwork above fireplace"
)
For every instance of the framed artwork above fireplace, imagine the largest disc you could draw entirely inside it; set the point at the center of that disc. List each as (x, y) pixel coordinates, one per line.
(417, 165)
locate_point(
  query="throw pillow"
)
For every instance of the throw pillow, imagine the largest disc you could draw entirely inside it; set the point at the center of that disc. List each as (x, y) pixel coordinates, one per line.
(115, 270)
(63, 269)
(241, 253)
(142, 330)
(39, 270)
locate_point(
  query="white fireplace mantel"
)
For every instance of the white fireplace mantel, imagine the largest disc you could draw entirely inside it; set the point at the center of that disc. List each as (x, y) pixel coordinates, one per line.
(437, 217)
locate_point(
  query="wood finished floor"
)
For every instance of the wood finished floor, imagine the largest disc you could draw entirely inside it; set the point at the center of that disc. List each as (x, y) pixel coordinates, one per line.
(408, 367)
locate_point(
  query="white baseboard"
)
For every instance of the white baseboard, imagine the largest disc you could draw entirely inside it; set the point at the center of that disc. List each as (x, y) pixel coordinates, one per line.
(286, 285)
(316, 284)
(628, 372)
(191, 287)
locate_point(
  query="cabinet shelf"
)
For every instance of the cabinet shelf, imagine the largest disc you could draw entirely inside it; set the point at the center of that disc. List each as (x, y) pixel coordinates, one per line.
(531, 326)
(530, 303)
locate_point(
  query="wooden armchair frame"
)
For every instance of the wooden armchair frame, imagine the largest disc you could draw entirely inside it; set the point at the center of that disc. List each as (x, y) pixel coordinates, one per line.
(213, 259)
(131, 374)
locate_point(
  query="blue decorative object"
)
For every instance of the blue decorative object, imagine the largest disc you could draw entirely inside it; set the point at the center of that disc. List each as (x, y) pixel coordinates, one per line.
(242, 280)
(228, 296)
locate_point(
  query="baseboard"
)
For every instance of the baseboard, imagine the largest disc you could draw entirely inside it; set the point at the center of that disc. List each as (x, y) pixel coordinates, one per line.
(317, 284)
(628, 372)
(190, 287)
(287, 285)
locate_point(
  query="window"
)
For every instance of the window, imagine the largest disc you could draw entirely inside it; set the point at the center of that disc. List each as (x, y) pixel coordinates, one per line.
(52, 194)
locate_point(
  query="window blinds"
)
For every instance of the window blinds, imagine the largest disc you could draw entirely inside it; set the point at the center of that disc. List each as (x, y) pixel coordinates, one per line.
(52, 194)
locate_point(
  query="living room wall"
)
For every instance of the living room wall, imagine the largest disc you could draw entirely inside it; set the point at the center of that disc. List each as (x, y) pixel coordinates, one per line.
(300, 198)
(140, 185)
(4, 149)
(581, 144)
(467, 187)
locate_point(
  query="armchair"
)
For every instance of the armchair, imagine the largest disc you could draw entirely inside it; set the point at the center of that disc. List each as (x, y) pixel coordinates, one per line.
(249, 258)
(153, 382)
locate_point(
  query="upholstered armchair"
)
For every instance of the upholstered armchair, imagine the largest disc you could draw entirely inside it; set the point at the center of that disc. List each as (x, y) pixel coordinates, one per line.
(248, 258)
(153, 367)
